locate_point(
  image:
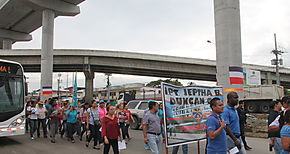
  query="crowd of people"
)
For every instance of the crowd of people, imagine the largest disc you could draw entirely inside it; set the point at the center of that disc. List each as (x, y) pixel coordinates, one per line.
(106, 124)
(97, 120)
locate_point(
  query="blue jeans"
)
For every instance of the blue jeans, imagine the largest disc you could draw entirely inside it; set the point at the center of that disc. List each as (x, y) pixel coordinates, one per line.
(155, 143)
(33, 126)
(146, 147)
(277, 145)
(231, 144)
(184, 149)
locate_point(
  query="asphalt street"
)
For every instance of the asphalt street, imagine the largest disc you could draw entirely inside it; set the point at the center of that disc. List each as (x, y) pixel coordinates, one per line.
(24, 145)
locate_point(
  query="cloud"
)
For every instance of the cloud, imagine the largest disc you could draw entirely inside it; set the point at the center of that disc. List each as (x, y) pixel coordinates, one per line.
(260, 20)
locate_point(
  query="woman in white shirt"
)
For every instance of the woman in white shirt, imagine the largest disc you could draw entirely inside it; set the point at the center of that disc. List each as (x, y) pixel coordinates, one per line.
(42, 119)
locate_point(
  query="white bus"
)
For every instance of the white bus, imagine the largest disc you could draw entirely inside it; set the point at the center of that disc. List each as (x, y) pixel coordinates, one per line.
(12, 108)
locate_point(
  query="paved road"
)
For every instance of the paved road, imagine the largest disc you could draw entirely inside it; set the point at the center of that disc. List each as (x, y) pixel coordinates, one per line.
(23, 145)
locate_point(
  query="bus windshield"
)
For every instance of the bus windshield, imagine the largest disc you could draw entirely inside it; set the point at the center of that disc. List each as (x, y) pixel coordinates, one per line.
(11, 94)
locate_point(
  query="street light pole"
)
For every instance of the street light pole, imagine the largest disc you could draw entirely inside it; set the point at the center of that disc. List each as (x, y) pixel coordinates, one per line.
(108, 87)
(276, 61)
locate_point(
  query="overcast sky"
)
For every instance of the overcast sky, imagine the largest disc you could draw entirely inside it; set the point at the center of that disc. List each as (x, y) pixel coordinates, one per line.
(167, 27)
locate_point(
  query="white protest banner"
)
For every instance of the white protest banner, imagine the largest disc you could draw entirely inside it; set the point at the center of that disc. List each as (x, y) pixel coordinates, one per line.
(185, 112)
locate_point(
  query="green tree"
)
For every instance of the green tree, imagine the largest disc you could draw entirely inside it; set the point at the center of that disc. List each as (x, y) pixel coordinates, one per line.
(157, 83)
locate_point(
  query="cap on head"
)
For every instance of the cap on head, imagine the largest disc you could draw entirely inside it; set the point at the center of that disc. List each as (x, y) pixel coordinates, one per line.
(101, 101)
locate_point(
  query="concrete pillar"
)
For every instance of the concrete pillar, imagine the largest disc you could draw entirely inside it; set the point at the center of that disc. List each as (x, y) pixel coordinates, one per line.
(90, 75)
(7, 44)
(47, 52)
(228, 41)
(269, 78)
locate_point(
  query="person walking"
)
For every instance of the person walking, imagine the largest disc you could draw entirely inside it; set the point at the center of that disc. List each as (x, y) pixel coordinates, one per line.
(216, 134)
(231, 118)
(83, 117)
(27, 115)
(94, 125)
(184, 149)
(152, 128)
(111, 131)
(160, 114)
(33, 122)
(65, 108)
(285, 134)
(55, 116)
(102, 109)
(274, 135)
(42, 119)
(243, 121)
(102, 112)
(71, 115)
(121, 116)
(79, 120)
(128, 118)
(286, 107)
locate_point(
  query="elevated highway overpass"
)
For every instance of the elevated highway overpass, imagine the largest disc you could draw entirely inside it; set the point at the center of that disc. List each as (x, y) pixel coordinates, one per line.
(89, 61)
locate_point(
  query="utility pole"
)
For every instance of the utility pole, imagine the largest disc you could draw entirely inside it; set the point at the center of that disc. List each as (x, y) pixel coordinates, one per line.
(277, 61)
(108, 87)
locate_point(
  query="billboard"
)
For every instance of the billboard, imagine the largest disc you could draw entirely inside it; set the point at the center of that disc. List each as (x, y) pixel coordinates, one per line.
(185, 112)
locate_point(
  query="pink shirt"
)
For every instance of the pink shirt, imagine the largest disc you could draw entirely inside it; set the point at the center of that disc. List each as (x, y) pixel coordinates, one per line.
(102, 112)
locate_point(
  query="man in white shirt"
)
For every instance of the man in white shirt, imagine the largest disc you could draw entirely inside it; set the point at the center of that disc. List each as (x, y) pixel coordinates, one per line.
(33, 119)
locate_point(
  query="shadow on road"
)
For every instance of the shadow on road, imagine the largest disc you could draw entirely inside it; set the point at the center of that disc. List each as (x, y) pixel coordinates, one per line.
(4, 141)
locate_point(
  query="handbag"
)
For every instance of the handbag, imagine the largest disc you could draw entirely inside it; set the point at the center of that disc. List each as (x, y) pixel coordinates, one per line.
(96, 122)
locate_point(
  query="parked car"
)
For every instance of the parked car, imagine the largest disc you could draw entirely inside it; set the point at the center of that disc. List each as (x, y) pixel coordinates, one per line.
(138, 107)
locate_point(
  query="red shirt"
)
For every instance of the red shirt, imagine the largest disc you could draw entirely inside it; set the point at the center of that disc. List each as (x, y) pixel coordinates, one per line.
(128, 114)
(110, 128)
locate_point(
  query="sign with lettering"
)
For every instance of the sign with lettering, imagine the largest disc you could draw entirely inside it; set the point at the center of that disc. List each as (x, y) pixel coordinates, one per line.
(253, 77)
(185, 112)
(9, 68)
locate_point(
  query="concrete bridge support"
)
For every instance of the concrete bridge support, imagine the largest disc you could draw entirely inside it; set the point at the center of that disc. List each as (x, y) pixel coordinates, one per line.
(90, 75)
(47, 53)
(228, 41)
(269, 78)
